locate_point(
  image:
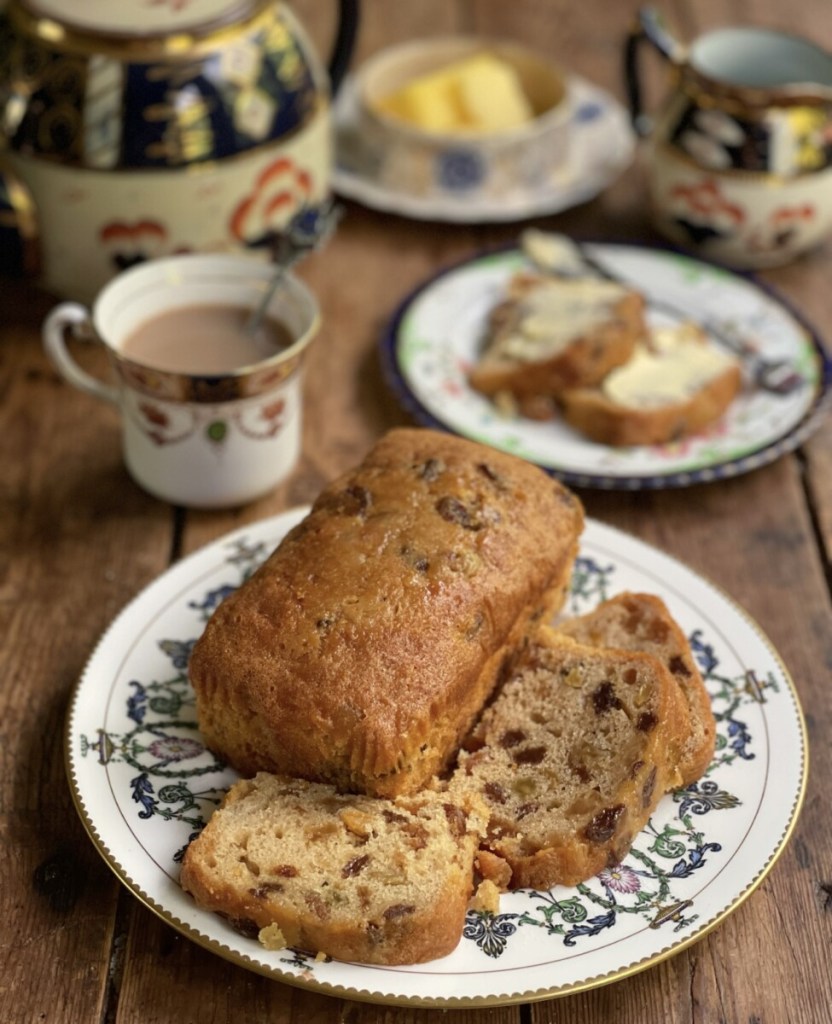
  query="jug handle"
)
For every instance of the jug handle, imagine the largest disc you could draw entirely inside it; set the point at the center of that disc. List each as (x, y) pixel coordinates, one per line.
(348, 18)
(649, 27)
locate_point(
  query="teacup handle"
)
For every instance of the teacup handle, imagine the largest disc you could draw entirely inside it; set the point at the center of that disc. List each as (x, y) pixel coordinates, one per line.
(649, 27)
(71, 315)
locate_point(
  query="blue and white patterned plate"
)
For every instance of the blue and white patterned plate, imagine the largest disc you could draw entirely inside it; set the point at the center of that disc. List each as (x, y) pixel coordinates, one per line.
(433, 340)
(144, 783)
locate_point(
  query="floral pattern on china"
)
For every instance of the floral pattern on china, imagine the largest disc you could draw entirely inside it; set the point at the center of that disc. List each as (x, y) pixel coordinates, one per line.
(740, 160)
(133, 722)
(88, 114)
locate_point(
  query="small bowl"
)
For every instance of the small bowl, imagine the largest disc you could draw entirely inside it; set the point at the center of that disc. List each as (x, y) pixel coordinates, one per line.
(468, 166)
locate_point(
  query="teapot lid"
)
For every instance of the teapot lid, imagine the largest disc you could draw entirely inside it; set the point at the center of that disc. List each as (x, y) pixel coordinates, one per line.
(154, 18)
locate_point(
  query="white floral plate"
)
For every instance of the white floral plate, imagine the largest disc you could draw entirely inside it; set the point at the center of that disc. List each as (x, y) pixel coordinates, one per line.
(602, 145)
(144, 783)
(436, 334)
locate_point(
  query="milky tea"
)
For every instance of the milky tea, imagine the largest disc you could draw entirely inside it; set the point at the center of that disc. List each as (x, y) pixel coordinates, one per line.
(208, 340)
(211, 416)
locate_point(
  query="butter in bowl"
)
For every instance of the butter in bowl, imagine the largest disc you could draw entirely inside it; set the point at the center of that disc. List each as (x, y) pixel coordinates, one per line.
(463, 117)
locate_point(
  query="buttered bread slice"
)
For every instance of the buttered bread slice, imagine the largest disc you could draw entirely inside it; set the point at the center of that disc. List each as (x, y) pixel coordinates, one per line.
(672, 387)
(555, 333)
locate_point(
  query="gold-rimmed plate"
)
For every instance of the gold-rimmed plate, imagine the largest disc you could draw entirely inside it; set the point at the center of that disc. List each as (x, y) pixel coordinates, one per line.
(144, 783)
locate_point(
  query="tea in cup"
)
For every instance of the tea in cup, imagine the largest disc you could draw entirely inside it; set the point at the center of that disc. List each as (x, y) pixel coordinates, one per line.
(211, 413)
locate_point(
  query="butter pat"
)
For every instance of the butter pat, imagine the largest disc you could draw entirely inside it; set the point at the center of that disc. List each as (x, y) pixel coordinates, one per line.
(678, 363)
(480, 94)
(558, 312)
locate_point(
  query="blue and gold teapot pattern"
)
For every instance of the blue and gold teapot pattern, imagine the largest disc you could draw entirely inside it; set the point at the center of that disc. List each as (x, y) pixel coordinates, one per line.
(162, 127)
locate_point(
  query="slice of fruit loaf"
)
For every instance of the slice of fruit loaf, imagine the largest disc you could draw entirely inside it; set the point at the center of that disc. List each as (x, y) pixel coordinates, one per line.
(355, 877)
(642, 622)
(672, 387)
(554, 333)
(572, 758)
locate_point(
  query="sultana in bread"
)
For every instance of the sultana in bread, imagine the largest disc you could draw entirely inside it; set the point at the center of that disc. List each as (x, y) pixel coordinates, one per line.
(298, 864)
(642, 622)
(554, 333)
(572, 758)
(361, 652)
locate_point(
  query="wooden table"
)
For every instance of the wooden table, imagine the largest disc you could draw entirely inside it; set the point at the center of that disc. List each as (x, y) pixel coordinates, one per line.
(79, 540)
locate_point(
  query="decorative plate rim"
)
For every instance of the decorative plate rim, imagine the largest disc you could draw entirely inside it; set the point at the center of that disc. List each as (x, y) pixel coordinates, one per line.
(362, 189)
(764, 455)
(275, 527)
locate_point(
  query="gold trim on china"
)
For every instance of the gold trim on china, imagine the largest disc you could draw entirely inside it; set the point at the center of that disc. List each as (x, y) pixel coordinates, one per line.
(185, 44)
(467, 1002)
(22, 216)
(770, 178)
(22, 203)
(316, 110)
(756, 105)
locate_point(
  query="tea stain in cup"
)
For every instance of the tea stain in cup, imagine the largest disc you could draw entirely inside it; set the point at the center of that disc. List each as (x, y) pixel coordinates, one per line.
(204, 340)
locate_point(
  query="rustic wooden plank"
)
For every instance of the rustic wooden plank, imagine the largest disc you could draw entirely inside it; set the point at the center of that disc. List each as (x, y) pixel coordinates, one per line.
(79, 539)
(67, 565)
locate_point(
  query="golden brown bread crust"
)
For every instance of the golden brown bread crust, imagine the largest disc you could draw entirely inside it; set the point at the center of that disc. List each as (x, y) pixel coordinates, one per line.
(593, 414)
(354, 877)
(585, 361)
(362, 650)
(572, 758)
(643, 622)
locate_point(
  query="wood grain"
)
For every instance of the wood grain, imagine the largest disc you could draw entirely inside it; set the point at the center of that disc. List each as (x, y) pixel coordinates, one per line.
(78, 540)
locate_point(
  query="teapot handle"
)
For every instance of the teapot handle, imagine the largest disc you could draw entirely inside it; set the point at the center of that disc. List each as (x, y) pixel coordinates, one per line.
(348, 18)
(649, 27)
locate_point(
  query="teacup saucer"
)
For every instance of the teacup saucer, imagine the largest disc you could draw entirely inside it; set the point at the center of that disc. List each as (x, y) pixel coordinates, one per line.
(602, 147)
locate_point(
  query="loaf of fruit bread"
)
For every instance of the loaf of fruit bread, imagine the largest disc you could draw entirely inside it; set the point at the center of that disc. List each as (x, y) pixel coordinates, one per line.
(363, 649)
(297, 864)
(674, 386)
(571, 758)
(551, 333)
(643, 622)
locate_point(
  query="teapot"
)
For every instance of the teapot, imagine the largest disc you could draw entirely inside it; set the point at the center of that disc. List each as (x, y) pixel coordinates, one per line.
(135, 130)
(740, 152)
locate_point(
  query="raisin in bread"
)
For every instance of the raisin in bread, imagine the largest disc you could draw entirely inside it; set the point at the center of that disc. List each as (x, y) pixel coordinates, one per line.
(554, 333)
(356, 878)
(363, 649)
(674, 386)
(642, 622)
(571, 757)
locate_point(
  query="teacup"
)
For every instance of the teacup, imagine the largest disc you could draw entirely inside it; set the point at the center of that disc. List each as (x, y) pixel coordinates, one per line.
(202, 438)
(740, 161)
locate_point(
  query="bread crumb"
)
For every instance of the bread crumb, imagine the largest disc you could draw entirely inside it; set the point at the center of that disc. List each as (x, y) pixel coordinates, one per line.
(505, 405)
(494, 869)
(271, 937)
(487, 898)
(320, 956)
